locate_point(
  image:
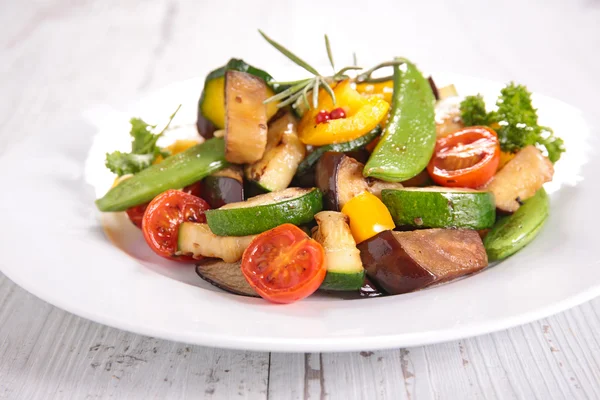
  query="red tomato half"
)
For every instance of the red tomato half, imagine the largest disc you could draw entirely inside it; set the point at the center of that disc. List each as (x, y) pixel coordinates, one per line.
(136, 214)
(284, 265)
(163, 216)
(466, 158)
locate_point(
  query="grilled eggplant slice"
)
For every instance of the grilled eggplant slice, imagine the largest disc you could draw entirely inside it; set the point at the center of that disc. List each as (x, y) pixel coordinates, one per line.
(224, 187)
(520, 178)
(199, 241)
(340, 178)
(226, 276)
(401, 262)
(283, 154)
(245, 117)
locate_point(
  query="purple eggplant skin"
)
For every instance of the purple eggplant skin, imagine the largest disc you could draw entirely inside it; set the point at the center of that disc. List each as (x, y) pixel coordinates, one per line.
(305, 180)
(360, 155)
(221, 190)
(225, 276)
(206, 129)
(387, 264)
(326, 176)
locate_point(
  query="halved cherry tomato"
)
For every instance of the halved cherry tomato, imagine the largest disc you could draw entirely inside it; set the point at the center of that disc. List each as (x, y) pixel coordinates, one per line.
(136, 214)
(163, 216)
(466, 158)
(284, 265)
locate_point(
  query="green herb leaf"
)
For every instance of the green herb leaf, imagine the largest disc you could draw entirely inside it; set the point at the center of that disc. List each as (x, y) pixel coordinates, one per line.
(143, 148)
(128, 163)
(305, 96)
(316, 93)
(329, 90)
(289, 91)
(289, 54)
(473, 111)
(329, 55)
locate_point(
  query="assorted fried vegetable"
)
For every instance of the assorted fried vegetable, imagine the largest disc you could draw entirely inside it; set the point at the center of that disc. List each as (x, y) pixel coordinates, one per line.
(246, 205)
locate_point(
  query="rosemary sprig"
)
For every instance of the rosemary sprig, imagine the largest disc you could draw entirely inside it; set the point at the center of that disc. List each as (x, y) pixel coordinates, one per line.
(300, 88)
(329, 55)
(366, 76)
(289, 54)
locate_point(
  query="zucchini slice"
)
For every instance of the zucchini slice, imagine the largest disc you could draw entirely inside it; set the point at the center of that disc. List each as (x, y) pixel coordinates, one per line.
(283, 153)
(198, 241)
(438, 207)
(344, 266)
(245, 117)
(266, 211)
(211, 107)
(226, 276)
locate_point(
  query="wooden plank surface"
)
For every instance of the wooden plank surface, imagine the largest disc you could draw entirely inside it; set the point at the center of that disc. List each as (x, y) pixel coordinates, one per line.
(59, 57)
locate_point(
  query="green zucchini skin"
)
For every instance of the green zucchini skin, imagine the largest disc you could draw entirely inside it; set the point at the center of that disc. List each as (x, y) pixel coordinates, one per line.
(260, 218)
(440, 209)
(510, 234)
(174, 172)
(409, 137)
(352, 145)
(343, 281)
(241, 66)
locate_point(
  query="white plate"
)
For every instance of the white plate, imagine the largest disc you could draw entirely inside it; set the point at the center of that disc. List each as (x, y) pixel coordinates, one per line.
(54, 246)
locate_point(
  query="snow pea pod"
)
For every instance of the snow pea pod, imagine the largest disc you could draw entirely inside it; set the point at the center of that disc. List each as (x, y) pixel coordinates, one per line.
(409, 137)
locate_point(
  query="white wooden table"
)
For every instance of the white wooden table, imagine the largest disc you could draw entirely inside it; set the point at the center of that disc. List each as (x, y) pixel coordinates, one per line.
(58, 57)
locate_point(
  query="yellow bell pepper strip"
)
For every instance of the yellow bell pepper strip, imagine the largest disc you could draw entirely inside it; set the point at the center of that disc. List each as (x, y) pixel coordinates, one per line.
(362, 116)
(368, 216)
(382, 90)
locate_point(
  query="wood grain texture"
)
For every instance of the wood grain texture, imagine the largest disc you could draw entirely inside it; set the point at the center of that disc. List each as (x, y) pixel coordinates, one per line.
(62, 56)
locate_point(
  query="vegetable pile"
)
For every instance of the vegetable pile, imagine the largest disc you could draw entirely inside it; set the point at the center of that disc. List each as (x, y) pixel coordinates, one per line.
(344, 182)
